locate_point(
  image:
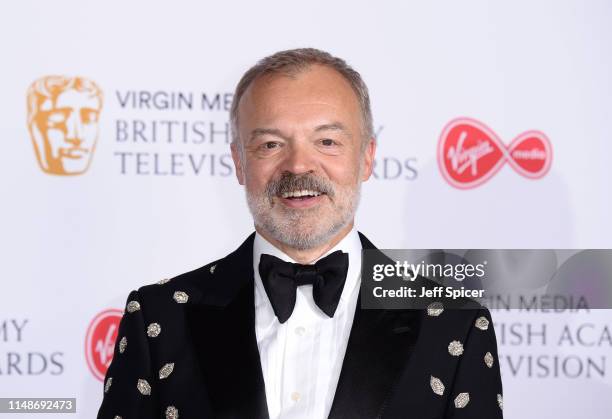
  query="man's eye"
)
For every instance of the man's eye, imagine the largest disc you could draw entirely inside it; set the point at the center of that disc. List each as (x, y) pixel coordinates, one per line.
(270, 145)
(328, 142)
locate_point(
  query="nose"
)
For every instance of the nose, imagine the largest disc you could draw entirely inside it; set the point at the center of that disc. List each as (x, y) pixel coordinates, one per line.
(74, 129)
(299, 159)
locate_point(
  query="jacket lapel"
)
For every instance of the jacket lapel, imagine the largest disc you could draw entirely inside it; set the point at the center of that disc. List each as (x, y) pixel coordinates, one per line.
(222, 325)
(379, 346)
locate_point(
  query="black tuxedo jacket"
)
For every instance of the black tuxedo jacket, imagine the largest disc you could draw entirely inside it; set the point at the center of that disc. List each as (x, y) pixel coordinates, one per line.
(190, 351)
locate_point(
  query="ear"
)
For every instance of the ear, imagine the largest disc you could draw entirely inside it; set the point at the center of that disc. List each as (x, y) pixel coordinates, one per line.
(237, 162)
(368, 159)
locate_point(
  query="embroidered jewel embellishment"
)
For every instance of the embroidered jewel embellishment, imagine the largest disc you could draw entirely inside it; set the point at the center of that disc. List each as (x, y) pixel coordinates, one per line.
(133, 306)
(144, 387)
(455, 348)
(435, 309)
(108, 384)
(436, 385)
(166, 370)
(180, 297)
(462, 400)
(153, 330)
(171, 412)
(482, 323)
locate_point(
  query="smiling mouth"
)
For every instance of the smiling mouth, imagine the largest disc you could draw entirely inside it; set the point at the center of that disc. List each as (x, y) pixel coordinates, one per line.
(302, 199)
(301, 194)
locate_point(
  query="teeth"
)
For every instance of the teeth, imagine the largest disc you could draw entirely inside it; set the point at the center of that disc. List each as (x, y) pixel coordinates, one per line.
(303, 192)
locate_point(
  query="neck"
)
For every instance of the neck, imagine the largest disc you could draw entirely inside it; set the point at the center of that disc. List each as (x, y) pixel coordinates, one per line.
(306, 256)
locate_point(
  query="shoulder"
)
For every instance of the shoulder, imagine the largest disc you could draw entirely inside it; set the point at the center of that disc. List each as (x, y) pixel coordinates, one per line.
(181, 289)
(212, 284)
(451, 329)
(459, 319)
(162, 297)
(199, 277)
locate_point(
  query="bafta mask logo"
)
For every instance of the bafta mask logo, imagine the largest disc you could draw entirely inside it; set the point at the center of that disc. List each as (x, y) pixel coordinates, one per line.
(63, 117)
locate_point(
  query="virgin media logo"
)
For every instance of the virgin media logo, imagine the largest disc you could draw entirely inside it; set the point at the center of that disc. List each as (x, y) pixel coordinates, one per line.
(100, 341)
(470, 153)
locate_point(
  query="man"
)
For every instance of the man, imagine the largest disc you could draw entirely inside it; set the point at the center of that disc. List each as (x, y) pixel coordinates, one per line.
(63, 122)
(275, 329)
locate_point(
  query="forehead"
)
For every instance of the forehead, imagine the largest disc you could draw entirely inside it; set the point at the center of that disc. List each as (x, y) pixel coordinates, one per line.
(72, 98)
(312, 92)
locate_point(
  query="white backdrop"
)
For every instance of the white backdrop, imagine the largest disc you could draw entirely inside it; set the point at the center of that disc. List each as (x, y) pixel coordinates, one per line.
(74, 246)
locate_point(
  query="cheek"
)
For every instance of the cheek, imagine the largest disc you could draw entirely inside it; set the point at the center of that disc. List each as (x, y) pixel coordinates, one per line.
(257, 175)
(343, 172)
(254, 184)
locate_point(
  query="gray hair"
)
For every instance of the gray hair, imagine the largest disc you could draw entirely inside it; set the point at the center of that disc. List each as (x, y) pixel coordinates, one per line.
(292, 62)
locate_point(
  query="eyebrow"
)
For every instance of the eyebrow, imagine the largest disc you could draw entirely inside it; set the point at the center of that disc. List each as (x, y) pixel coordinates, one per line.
(334, 126)
(266, 131)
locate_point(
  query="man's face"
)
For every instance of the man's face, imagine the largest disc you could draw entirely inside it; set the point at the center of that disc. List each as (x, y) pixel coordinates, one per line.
(68, 128)
(303, 158)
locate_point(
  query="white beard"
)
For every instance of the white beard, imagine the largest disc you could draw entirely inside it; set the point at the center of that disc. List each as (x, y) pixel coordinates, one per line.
(300, 228)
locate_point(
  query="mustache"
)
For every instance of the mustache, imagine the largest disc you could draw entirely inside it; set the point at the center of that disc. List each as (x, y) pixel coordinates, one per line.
(289, 182)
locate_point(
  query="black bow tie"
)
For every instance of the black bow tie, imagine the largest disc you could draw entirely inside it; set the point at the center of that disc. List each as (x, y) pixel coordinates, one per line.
(281, 279)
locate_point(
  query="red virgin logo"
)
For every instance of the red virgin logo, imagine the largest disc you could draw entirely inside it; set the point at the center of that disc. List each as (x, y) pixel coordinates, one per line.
(100, 341)
(470, 153)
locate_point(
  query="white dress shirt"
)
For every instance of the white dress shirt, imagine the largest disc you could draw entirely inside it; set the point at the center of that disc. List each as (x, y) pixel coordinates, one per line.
(301, 359)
